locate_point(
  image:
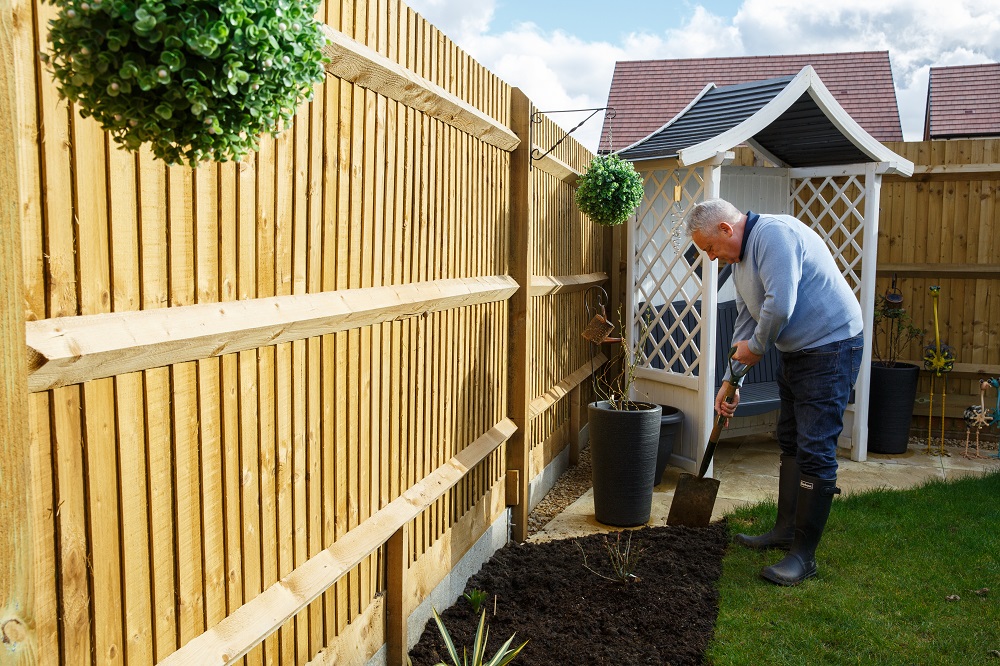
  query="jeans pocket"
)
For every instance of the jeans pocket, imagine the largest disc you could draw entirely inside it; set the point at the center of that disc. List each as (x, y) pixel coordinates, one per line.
(856, 354)
(830, 349)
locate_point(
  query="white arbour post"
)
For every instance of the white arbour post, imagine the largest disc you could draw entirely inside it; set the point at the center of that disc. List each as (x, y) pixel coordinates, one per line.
(658, 276)
(841, 204)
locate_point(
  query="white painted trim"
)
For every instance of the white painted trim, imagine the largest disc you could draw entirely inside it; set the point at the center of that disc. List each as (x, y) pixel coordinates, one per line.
(751, 126)
(626, 325)
(851, 130)
(830, 171)
(869, 264)
(664, 377)
(806, 81)
(766, 154)
(709, 314)
(670, 122)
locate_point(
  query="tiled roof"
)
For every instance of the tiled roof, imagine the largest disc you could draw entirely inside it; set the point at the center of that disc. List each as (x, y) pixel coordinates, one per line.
(647, 93)
(963, 102)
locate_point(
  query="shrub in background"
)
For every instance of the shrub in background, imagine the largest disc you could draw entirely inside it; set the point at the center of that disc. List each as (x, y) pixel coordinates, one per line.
(196, 80)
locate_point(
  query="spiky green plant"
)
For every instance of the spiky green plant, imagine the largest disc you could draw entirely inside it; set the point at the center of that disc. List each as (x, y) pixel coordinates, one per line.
(610, 191)
(503, 656)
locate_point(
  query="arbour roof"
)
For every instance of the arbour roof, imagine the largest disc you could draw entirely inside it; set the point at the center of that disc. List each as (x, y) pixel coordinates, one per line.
(647, 93)
(793, 120)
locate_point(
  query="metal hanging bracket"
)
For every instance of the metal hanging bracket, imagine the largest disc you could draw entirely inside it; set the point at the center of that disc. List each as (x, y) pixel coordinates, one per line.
(538, 116)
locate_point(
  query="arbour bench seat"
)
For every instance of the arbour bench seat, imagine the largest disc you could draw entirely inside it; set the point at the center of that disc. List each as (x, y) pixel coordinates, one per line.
(759, 392)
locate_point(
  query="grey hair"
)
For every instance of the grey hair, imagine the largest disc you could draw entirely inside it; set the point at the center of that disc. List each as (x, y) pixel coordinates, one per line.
(705, 216)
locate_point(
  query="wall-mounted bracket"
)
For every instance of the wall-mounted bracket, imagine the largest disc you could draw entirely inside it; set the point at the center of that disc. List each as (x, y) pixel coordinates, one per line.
(538, 116)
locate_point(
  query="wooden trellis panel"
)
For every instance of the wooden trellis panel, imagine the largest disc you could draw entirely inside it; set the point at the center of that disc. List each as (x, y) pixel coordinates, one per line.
(661, 275)
(833, 206)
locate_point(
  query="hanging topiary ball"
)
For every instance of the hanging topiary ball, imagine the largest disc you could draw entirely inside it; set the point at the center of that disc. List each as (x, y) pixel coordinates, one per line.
(196, 80)
(610, 191)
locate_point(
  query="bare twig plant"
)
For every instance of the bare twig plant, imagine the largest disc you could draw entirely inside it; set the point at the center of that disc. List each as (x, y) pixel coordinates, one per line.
(621, 558)
(613, 382)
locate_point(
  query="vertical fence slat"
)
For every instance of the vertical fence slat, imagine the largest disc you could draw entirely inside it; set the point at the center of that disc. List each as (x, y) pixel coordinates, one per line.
(17, 598)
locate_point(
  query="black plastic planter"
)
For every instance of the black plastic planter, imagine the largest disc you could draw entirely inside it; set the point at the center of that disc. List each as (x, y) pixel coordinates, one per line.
(892, 392)
(671, 420)
(623, 446)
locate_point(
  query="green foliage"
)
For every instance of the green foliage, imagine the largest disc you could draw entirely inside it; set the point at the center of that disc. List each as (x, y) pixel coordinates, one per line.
(476, 598)
(610, 191)
(893, 331)
(195, 79)
(621, 558)
(905, 577)
(502, 657)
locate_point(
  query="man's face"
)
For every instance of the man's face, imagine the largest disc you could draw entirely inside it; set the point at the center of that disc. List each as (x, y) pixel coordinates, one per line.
(719, 243)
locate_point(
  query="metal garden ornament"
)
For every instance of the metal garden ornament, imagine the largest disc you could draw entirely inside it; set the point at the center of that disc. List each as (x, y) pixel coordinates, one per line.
(939, 359)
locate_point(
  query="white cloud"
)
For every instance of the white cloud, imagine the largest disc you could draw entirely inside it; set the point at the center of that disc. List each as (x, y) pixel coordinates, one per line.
(558, 70)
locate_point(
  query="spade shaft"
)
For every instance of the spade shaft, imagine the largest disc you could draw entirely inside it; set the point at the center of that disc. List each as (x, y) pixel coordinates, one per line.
(694, 497)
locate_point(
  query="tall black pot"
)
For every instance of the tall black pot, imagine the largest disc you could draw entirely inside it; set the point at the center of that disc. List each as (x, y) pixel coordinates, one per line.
(623, 447)
(892, 392)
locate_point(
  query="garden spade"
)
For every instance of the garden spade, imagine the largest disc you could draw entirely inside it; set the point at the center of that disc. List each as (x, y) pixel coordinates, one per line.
(694, 498)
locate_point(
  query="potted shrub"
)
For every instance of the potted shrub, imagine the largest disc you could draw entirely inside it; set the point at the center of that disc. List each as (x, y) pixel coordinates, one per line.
(195, 80)
(893, 385)
(624, 440)
(610, 190)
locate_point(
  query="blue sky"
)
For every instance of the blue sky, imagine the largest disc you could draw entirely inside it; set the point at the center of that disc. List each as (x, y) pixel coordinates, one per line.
(562, 54)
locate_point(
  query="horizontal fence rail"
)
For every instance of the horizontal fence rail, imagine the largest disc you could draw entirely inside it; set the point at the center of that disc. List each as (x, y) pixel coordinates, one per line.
(545, 285)
(257, 619)
(352, 61)
(565, 387)
(556, 167)
(70, 350)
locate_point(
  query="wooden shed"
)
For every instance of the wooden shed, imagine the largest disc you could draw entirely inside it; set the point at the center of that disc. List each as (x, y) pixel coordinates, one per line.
(817, 164)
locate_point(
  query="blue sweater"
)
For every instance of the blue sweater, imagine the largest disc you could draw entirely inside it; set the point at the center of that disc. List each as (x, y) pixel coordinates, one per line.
(789, 290)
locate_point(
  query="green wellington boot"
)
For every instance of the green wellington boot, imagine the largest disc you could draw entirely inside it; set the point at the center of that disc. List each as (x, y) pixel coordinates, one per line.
(814, 501)
(783, 532)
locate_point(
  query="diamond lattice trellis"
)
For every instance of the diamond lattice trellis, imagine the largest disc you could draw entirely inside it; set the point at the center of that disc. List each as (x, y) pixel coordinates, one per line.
(834, 208)
(666, 287)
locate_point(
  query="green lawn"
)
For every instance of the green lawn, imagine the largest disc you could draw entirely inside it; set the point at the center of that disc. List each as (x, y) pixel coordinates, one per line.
(888, 563)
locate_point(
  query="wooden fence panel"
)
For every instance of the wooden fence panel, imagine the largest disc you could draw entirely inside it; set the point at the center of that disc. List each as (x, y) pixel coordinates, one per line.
(566, 245)
(167, 498)
(940, 228)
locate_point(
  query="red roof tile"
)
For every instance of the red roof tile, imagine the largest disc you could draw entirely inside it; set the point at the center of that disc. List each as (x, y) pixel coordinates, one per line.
(647, 93)
(963, 102)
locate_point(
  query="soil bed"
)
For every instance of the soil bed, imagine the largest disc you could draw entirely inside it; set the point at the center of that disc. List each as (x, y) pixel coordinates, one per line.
(570, 615)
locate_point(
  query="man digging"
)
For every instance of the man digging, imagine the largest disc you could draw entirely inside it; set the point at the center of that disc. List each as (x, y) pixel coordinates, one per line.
(790, 294)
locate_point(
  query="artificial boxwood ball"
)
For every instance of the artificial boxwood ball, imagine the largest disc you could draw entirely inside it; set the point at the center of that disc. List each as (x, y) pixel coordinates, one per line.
(195, 80)
(610, 191)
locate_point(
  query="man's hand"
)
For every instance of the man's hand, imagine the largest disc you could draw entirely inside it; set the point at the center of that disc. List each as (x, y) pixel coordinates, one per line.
(723, 408)
(744, 355)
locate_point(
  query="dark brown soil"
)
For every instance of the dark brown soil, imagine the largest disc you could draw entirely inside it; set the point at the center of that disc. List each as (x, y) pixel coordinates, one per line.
(570, 615)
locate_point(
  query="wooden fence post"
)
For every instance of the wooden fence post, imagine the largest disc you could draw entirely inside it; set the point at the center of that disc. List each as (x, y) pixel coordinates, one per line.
(519, 262)
(17, 641)
(396, 556)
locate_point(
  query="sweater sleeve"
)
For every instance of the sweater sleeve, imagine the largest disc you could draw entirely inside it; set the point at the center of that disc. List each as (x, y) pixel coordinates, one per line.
(778, 255)
(742, 330)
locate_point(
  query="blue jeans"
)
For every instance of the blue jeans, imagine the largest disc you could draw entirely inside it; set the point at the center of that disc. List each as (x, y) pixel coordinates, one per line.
(815, 385)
